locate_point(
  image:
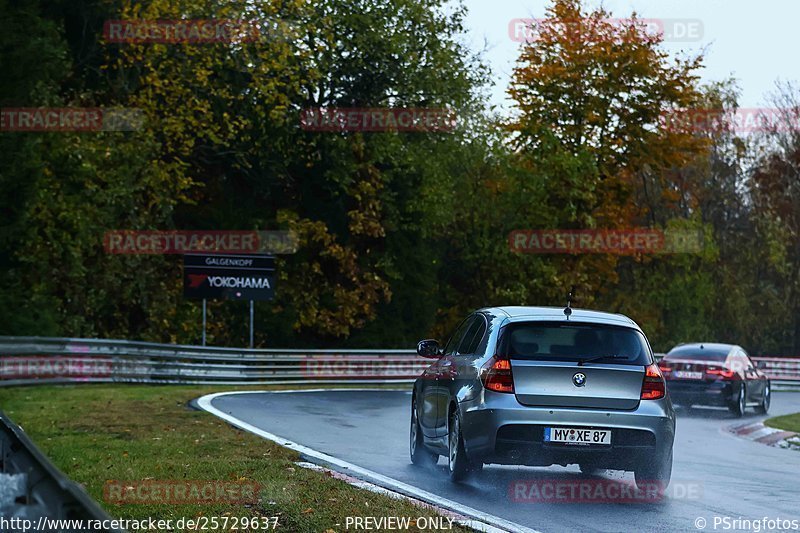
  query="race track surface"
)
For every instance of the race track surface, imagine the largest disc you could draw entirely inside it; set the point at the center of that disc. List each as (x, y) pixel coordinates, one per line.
(736, 478)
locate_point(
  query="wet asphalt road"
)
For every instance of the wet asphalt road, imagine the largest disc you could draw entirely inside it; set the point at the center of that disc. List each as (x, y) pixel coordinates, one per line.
(727, 476)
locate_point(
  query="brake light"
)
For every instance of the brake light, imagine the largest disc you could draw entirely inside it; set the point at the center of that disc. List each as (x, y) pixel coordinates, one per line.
(653, 386)
(724, 374)
(664, 368)
(497, 375)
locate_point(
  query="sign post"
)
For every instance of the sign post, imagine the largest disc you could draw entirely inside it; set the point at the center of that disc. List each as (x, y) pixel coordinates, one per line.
(204, 321)
(251, 324)
(229, 277)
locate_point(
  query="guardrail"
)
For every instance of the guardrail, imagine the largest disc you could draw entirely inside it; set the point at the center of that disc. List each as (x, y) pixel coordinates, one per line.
(34, 360)
(781, 369)
(45, 493)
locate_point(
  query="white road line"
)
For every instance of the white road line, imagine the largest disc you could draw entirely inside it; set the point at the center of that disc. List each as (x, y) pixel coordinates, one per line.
(366, 485)
(205, 403)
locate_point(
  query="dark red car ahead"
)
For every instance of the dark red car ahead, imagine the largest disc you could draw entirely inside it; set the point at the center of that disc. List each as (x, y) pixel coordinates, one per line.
(721, 375)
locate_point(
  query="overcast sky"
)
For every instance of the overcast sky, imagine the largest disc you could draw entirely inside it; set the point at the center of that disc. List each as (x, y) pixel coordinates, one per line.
(754, 41)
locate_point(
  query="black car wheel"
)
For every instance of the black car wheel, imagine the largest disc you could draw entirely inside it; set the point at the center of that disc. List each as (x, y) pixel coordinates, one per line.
(740, 404)
(419, 454)
(458, 465)
(657, 472)
(763, 407)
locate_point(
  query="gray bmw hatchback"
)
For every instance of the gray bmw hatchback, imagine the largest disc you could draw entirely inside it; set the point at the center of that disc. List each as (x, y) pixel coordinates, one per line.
(540, 386)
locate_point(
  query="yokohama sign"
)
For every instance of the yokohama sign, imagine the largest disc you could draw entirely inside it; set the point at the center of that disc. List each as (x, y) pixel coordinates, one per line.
(229, 277)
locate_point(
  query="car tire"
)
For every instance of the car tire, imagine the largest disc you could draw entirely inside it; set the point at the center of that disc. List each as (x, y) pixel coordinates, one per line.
(740, 404)
(659, 472)
(458, 466)
(420, 455)
(763, 407)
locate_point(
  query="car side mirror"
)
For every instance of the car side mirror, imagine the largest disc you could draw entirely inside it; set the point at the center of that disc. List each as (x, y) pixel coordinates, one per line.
(428, 348)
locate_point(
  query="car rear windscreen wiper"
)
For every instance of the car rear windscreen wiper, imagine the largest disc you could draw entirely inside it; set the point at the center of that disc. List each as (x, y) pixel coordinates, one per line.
(598, 357)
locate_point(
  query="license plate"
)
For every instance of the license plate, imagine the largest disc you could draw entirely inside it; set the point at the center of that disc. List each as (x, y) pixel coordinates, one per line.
(579, 436)
(682, 374)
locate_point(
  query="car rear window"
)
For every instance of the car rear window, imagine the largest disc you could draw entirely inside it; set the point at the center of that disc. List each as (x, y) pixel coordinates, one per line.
(698, 355)
(573, 342)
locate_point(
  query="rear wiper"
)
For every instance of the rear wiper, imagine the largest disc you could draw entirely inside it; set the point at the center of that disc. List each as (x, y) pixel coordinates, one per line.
(598, 357)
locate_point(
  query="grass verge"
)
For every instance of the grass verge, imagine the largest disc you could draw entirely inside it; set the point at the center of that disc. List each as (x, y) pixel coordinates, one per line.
(785, 422)
(97, 433)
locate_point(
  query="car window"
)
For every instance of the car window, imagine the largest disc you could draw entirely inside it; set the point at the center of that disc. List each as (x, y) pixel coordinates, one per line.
(473, 336)
(698, 355)
(458, 335)
(575, 341)
(739, 361)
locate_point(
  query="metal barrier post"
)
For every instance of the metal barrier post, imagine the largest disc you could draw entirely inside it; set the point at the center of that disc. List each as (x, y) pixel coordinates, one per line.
(251, 323)
(204, 321)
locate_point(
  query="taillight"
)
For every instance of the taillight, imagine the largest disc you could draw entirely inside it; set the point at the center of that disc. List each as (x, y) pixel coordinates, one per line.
(653, 386)
(724, 374)
(497, 376)
(665, 368)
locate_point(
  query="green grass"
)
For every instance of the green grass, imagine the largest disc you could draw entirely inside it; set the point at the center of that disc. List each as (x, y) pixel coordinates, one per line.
(785, 422)
(96, 433)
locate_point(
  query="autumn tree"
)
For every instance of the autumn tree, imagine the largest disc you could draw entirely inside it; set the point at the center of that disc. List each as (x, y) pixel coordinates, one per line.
(591, 93)
(222, 148)
(775, 191)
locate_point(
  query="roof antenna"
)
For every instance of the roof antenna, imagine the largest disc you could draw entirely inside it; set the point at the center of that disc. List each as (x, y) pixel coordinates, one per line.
(568, 308)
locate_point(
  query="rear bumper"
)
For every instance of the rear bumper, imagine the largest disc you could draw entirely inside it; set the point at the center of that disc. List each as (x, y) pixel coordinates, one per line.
(498, 429)
(715, 393)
